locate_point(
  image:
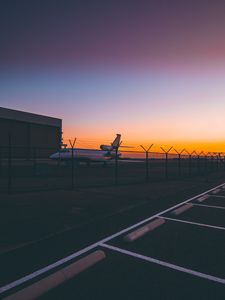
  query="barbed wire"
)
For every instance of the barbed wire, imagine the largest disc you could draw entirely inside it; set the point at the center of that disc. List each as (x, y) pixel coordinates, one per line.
(136, 147)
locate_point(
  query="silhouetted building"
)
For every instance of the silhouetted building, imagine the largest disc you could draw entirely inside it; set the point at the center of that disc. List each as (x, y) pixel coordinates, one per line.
(29, 134)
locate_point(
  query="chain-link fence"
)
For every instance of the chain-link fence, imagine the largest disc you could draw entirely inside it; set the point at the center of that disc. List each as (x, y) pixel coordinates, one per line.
(23, 169)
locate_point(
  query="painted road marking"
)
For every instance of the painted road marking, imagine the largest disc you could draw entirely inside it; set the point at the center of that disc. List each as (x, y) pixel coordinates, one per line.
(182, 209)
(216, 191)
(50, 282)
(209, 206)
(219, 196)
(62, 261)
(165, 264)
(203, 198)
(134, 235)
(194, 223)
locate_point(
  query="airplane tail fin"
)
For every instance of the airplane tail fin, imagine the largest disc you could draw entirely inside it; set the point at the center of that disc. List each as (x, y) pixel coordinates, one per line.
(115, 144)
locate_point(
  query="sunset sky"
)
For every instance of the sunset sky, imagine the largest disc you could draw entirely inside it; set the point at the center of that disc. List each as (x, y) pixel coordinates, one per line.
(153, 71)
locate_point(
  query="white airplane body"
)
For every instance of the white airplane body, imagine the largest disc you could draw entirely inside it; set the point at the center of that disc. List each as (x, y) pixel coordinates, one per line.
(86, 155)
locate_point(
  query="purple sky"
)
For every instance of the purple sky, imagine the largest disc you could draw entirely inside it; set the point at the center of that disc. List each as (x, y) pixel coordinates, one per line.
(135, 65)
(109, 32)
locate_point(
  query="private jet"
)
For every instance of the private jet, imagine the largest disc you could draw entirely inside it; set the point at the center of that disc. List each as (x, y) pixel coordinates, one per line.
(106, 153)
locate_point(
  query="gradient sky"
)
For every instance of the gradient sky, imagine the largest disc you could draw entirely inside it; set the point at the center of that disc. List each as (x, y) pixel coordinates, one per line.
(151, 70)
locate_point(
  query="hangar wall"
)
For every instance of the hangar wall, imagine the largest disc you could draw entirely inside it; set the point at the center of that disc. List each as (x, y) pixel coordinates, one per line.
(29, 131)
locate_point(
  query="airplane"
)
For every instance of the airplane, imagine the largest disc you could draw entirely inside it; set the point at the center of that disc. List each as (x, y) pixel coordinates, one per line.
(106, 153)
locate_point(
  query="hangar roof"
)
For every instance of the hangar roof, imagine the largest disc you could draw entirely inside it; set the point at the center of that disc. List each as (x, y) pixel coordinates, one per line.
(22, 116)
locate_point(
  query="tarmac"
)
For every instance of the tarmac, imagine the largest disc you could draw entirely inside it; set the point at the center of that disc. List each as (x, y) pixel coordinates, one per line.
(183, 258)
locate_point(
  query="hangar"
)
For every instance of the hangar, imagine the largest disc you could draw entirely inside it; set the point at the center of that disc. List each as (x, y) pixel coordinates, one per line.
(27, 131)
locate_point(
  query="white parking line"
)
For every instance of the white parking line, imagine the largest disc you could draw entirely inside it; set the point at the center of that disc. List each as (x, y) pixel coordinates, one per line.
(218, 196)
(165, 264)
(46, 284)
(210, 206)
(203, 198)
(50, 267)
(46, 269)
(216, 191)
(194, 223)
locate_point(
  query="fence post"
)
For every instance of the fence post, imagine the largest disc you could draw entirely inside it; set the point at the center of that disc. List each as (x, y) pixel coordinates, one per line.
(199, 165)
(59, 162)
(212, 162)
(189, 163)
(116, 167)
(193, 152)
(179, 161)
(0, 161)
(217, 161)
(146, 162)
(166, 162)
(220, 160)
(72, 168)
(9, 163)
(34, 162)
(72, 144)
(208, 162)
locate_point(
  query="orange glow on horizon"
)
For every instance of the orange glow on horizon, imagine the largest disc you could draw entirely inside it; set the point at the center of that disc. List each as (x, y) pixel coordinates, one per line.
(95, 140)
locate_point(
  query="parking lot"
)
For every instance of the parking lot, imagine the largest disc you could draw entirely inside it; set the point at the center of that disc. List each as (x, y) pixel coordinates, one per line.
(180, 257)
(177, 253)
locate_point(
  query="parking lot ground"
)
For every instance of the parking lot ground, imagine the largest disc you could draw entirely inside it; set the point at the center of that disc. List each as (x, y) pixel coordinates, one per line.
(176, 253)
(203, 214)
(124, 277)
(213, 201)
(191, 246)
(174, 260)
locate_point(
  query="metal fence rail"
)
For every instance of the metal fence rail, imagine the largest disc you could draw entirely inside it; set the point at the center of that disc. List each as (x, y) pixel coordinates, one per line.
(23, 169)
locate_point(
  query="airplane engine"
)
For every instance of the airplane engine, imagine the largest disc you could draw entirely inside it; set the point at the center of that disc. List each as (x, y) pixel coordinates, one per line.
(106, 148)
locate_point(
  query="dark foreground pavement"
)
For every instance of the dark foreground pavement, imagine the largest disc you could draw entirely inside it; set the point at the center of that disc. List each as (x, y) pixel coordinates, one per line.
(122, 275)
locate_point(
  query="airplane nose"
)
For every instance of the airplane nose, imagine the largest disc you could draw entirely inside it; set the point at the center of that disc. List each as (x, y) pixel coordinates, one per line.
(53, 156)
